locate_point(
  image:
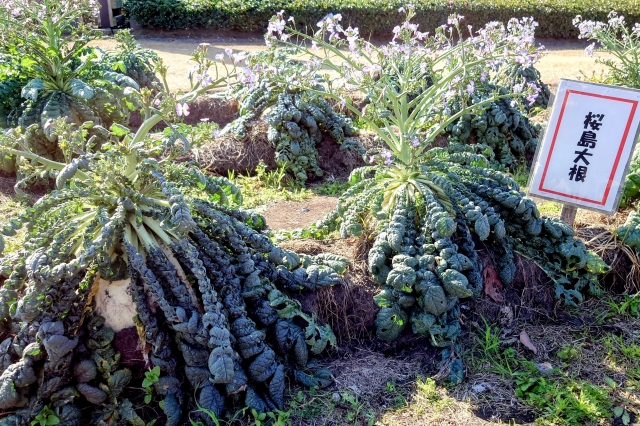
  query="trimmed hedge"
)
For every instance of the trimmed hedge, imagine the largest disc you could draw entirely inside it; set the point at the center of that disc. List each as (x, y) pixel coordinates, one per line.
(377, 17)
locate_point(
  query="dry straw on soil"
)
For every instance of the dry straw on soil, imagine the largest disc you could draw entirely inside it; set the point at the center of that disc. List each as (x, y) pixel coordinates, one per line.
(625, 266)
(231, 154)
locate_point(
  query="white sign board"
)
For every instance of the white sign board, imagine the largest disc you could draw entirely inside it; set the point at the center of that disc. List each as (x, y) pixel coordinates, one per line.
(586, 150)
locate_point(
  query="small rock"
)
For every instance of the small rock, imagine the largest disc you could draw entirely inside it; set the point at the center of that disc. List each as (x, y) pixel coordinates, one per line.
(507, 316)
(545, 368)
(479, 388)
(304, 209)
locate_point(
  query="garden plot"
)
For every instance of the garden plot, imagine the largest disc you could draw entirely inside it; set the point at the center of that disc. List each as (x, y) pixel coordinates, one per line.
(433, 291)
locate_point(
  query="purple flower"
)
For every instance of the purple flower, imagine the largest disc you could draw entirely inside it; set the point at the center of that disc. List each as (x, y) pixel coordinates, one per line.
(247, 76)
(237, 58)
(471, 87)
(157, 102)
(449, 94)
(415, 142)
(589, 49)
(182, 110)
(534, 90)
(276, 26)
(216, 134)
(386, 154)
(454, 19)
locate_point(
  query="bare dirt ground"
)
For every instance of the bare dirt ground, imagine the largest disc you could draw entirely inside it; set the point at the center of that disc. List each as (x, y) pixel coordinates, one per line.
(298, 214)
(566, 58)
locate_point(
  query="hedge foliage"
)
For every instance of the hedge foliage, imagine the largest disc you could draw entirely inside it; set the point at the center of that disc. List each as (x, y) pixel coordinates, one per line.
(377, 17)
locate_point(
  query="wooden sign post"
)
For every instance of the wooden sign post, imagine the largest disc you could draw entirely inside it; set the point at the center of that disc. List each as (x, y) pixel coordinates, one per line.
(568, 214)
(584, 156)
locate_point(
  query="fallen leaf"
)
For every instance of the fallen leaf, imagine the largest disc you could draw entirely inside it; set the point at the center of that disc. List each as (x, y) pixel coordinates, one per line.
(492, 284)
(526, 341)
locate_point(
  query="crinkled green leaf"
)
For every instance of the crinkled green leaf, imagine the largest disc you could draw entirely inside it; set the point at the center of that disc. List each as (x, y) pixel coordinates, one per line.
(81, 89)
(390, 322)
(85, 371)
(264, 365)
(276, 387)
(30, 90)
(456, 284)
(92, 394)
(433, 300)
(117, 381)
(321, 378)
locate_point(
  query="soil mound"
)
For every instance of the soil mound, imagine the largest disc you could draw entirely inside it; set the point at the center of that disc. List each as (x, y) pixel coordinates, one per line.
(351, 312)
(625, 266)
(228, 153)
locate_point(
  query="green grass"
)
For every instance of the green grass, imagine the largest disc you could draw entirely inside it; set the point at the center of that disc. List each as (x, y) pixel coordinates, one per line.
(10, 208)
(268, 186)
(521, 175)
(626, 354)
(579, 389)
(332, 188)
(549, 208)
(343, 406)
(565, 401)
(433, 395)
(626, 306)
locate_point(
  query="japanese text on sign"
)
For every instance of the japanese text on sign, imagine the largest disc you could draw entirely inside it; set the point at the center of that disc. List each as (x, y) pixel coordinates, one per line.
(587, 146)
(578, 173)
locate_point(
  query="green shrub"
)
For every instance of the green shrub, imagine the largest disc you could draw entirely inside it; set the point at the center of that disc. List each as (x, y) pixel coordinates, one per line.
(372, 16)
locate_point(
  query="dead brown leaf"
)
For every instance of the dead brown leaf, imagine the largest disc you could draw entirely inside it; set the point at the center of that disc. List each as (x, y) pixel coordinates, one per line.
(492, 284)
(526, 341)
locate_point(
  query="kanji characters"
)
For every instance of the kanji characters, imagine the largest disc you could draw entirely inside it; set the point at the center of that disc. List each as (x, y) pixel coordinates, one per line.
(578, 173)
(581, 156)
(593, 120)
(588, 140)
